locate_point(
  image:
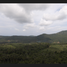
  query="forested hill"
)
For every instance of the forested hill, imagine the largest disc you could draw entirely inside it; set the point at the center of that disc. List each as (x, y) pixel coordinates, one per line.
(60, 37)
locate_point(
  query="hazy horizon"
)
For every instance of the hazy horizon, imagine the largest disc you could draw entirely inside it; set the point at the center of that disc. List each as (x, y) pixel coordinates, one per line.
(32, 18)
(34, 35)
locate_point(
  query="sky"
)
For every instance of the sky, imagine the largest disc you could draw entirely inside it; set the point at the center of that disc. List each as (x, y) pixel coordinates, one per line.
(26, 19)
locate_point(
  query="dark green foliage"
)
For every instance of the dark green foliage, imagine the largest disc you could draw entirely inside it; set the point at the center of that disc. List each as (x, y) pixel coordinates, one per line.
(20, 53)
(32, 53)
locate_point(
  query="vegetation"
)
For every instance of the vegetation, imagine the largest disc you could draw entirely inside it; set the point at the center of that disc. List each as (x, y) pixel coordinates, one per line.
(41, 49)
(48, 38)
(33, 53)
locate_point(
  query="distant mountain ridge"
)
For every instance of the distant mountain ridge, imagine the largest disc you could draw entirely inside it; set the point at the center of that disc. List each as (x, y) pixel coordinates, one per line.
(60, 37)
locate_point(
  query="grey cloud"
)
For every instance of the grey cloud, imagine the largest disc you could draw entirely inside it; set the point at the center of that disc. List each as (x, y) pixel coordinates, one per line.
(43, 22)
(61, 16)
(30, 7)
(20, 12)
(54, 17)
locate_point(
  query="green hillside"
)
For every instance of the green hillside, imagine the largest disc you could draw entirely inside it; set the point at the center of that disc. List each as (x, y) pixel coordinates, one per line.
(60, 37)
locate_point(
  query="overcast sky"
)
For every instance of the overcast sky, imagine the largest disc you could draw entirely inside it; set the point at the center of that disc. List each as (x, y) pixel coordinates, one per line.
(32, 18)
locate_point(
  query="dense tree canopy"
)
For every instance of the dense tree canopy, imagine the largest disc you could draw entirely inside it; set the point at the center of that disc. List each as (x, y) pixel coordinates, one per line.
(33, 53)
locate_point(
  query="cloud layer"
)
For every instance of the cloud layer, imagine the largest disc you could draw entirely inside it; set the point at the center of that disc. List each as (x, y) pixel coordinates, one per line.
(59, 15)
(43, 22)
(31, 7)
(32, 19)
(20, 12)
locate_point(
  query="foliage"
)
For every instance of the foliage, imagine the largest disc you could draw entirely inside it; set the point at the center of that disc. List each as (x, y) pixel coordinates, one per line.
(33, 53)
